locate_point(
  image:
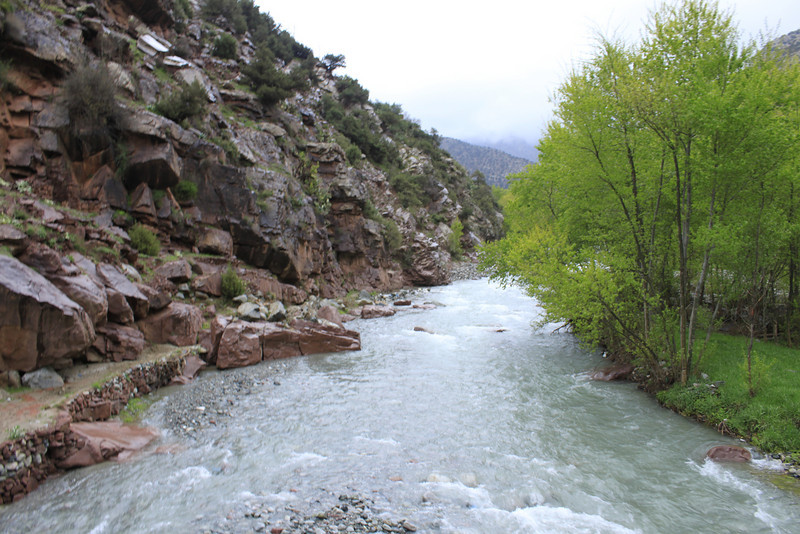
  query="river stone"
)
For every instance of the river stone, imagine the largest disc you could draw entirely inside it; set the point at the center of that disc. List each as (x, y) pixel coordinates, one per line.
(729, 453)
(373, 311)
(44, 378)
(613, 372)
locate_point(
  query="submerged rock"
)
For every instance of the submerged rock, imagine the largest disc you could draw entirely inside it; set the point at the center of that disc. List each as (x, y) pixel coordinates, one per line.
(613, 372)
(729, 453)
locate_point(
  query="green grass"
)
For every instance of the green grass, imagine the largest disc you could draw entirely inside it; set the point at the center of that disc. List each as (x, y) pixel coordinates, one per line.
(771, 418)
(134, 410)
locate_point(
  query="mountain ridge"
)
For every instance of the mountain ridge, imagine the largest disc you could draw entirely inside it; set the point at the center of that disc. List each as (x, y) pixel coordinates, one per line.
(495, 165)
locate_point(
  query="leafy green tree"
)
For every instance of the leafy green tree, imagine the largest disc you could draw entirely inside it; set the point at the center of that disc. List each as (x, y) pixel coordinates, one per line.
(658, 186)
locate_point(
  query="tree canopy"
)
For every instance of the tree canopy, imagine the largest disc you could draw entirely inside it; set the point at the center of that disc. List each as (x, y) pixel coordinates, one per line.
(664, 197)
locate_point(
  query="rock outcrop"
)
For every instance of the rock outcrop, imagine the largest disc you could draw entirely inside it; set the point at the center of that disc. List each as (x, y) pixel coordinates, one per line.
(39, 324)
(241, 343)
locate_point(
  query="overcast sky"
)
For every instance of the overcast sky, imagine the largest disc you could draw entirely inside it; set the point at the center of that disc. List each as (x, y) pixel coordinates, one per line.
(480, 71)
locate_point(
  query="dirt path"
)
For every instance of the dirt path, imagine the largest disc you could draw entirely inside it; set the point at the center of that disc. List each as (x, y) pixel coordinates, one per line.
(30, 409)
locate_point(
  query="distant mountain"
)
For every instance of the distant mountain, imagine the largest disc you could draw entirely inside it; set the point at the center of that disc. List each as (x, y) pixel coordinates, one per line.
(515, 146)
(790, 42)
(493, 163)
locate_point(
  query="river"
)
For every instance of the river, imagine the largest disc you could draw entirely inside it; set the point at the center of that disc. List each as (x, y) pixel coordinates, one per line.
(485, 424)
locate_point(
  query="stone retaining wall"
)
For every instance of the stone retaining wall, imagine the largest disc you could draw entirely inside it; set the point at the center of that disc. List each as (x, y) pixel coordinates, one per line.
(27, 461)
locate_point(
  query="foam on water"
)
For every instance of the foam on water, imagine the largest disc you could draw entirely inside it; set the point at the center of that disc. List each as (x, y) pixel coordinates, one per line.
(558, 519)
(720, 473)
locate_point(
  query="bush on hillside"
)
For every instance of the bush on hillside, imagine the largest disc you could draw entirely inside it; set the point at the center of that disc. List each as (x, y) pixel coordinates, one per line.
(90, 97)
(351, 92)
(454, 239)
(185, 191)
(270, 84)
(144, 240)
(232, 285)
(225, 46)
(184, 105)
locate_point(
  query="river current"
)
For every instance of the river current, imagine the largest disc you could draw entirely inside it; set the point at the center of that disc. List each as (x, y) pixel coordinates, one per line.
(486, 423)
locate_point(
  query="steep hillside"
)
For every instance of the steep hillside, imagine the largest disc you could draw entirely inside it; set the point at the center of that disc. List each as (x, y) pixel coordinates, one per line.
(119, 104)
(494, 164)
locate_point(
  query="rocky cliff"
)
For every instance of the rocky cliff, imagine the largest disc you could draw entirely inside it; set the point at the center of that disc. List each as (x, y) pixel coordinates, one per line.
(208, 127)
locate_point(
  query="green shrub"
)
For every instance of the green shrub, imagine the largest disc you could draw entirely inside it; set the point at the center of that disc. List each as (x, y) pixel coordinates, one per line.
(230, 10)
(144, 240)
(353, 154)
(409, 189)
(351, 92)
(270, 84)
(187, 104)
(185, 191)
(225, 46)
(232, 285)
(90, 98)
(392, 235)
(454, 239)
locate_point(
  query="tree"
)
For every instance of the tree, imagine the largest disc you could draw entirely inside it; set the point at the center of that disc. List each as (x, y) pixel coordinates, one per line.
(658, 176)
(332, 62)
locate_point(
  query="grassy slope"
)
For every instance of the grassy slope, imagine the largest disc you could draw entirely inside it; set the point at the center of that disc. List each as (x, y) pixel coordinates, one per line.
(771, 419)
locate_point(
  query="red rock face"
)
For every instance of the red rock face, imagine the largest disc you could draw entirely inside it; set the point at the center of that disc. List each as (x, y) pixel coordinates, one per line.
(117, 342)
(39, 325)
(243, 343)
(106, 440)
(178, 324)
(729, 453)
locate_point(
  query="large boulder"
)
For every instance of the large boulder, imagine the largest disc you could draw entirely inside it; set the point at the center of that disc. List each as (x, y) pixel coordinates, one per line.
(177, 271)
(374, 311)
(178, 324)
(119, 311)
(155, 164)
(44, 378)
(116, 342)
(215, 241)
(240, 345)
(39, 324)
(210, 284)
(105, 187)
(430, 263)
(620, 371)
(247, 343)
(315, 338)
